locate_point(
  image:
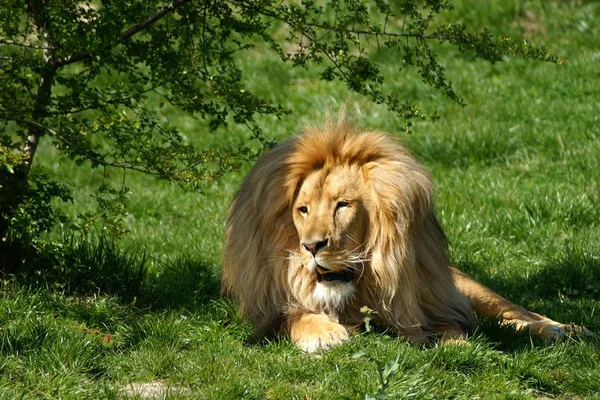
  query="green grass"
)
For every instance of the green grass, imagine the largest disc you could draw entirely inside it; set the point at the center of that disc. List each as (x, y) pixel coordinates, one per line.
(517, 174)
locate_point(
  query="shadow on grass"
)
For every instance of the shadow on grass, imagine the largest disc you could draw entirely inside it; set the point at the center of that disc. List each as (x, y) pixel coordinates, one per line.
(183, 283)
(566, 289)
(574, 275)
(82, 268)
(100, 267)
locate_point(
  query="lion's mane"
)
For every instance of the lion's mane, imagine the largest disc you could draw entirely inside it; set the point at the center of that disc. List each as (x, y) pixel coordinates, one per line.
(407, 279)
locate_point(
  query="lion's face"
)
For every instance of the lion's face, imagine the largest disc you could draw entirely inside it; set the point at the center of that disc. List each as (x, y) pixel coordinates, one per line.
(330, 215)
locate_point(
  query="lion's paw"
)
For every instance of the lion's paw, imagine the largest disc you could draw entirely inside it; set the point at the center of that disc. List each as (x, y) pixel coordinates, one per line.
(313, 333)
(551, 331)
(324, 339)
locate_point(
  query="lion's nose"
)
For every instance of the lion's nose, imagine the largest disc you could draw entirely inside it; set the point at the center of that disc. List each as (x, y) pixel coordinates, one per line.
(314, 247)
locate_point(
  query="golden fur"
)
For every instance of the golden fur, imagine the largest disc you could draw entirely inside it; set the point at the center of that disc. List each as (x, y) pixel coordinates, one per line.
(337, 199)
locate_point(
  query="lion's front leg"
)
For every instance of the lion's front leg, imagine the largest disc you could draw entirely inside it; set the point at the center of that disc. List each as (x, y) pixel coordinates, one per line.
(315, 332)
(490, 304)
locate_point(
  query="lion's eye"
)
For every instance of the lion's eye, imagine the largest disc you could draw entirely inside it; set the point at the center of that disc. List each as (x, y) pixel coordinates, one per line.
(342, 204)
(303, 210)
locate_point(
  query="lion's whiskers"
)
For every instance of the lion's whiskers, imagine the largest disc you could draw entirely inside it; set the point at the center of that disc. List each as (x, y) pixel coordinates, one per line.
(351, 259)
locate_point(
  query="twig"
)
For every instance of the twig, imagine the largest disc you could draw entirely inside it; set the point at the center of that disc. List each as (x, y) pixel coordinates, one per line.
(128, 33)
(23, 44)
(20, 79)
(92, 157)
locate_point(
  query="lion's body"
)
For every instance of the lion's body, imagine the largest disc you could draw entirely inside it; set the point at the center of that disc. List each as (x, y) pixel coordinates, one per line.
(334, 220)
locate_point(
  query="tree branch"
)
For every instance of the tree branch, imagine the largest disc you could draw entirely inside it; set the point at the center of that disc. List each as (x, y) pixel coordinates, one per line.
(125, 35)
(98, 158)
(22, 44)
(21, 80)
(333, 28)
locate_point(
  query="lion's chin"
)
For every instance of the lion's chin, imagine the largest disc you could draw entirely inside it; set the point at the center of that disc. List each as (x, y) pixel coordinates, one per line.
(334, 295)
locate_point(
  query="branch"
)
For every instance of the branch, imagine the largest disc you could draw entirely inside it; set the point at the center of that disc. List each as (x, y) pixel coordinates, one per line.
(118, 99)
(20, 79)
(152, 19)
(98, 158)
(22, 44)
(335, 28)
(125, 35)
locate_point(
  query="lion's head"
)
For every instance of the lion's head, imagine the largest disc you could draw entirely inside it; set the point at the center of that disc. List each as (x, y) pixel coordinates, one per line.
(337, 219)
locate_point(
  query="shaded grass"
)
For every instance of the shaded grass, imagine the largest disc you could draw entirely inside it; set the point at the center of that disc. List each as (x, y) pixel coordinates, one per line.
(87, 267)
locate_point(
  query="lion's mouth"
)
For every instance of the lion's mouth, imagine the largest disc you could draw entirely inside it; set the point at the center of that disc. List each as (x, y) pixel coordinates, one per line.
(324, 274)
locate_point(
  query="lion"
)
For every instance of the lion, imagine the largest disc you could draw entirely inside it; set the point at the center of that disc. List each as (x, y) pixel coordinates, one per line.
(337, 219)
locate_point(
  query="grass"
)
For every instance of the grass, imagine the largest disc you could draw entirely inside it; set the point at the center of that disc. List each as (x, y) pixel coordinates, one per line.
(517, 179)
